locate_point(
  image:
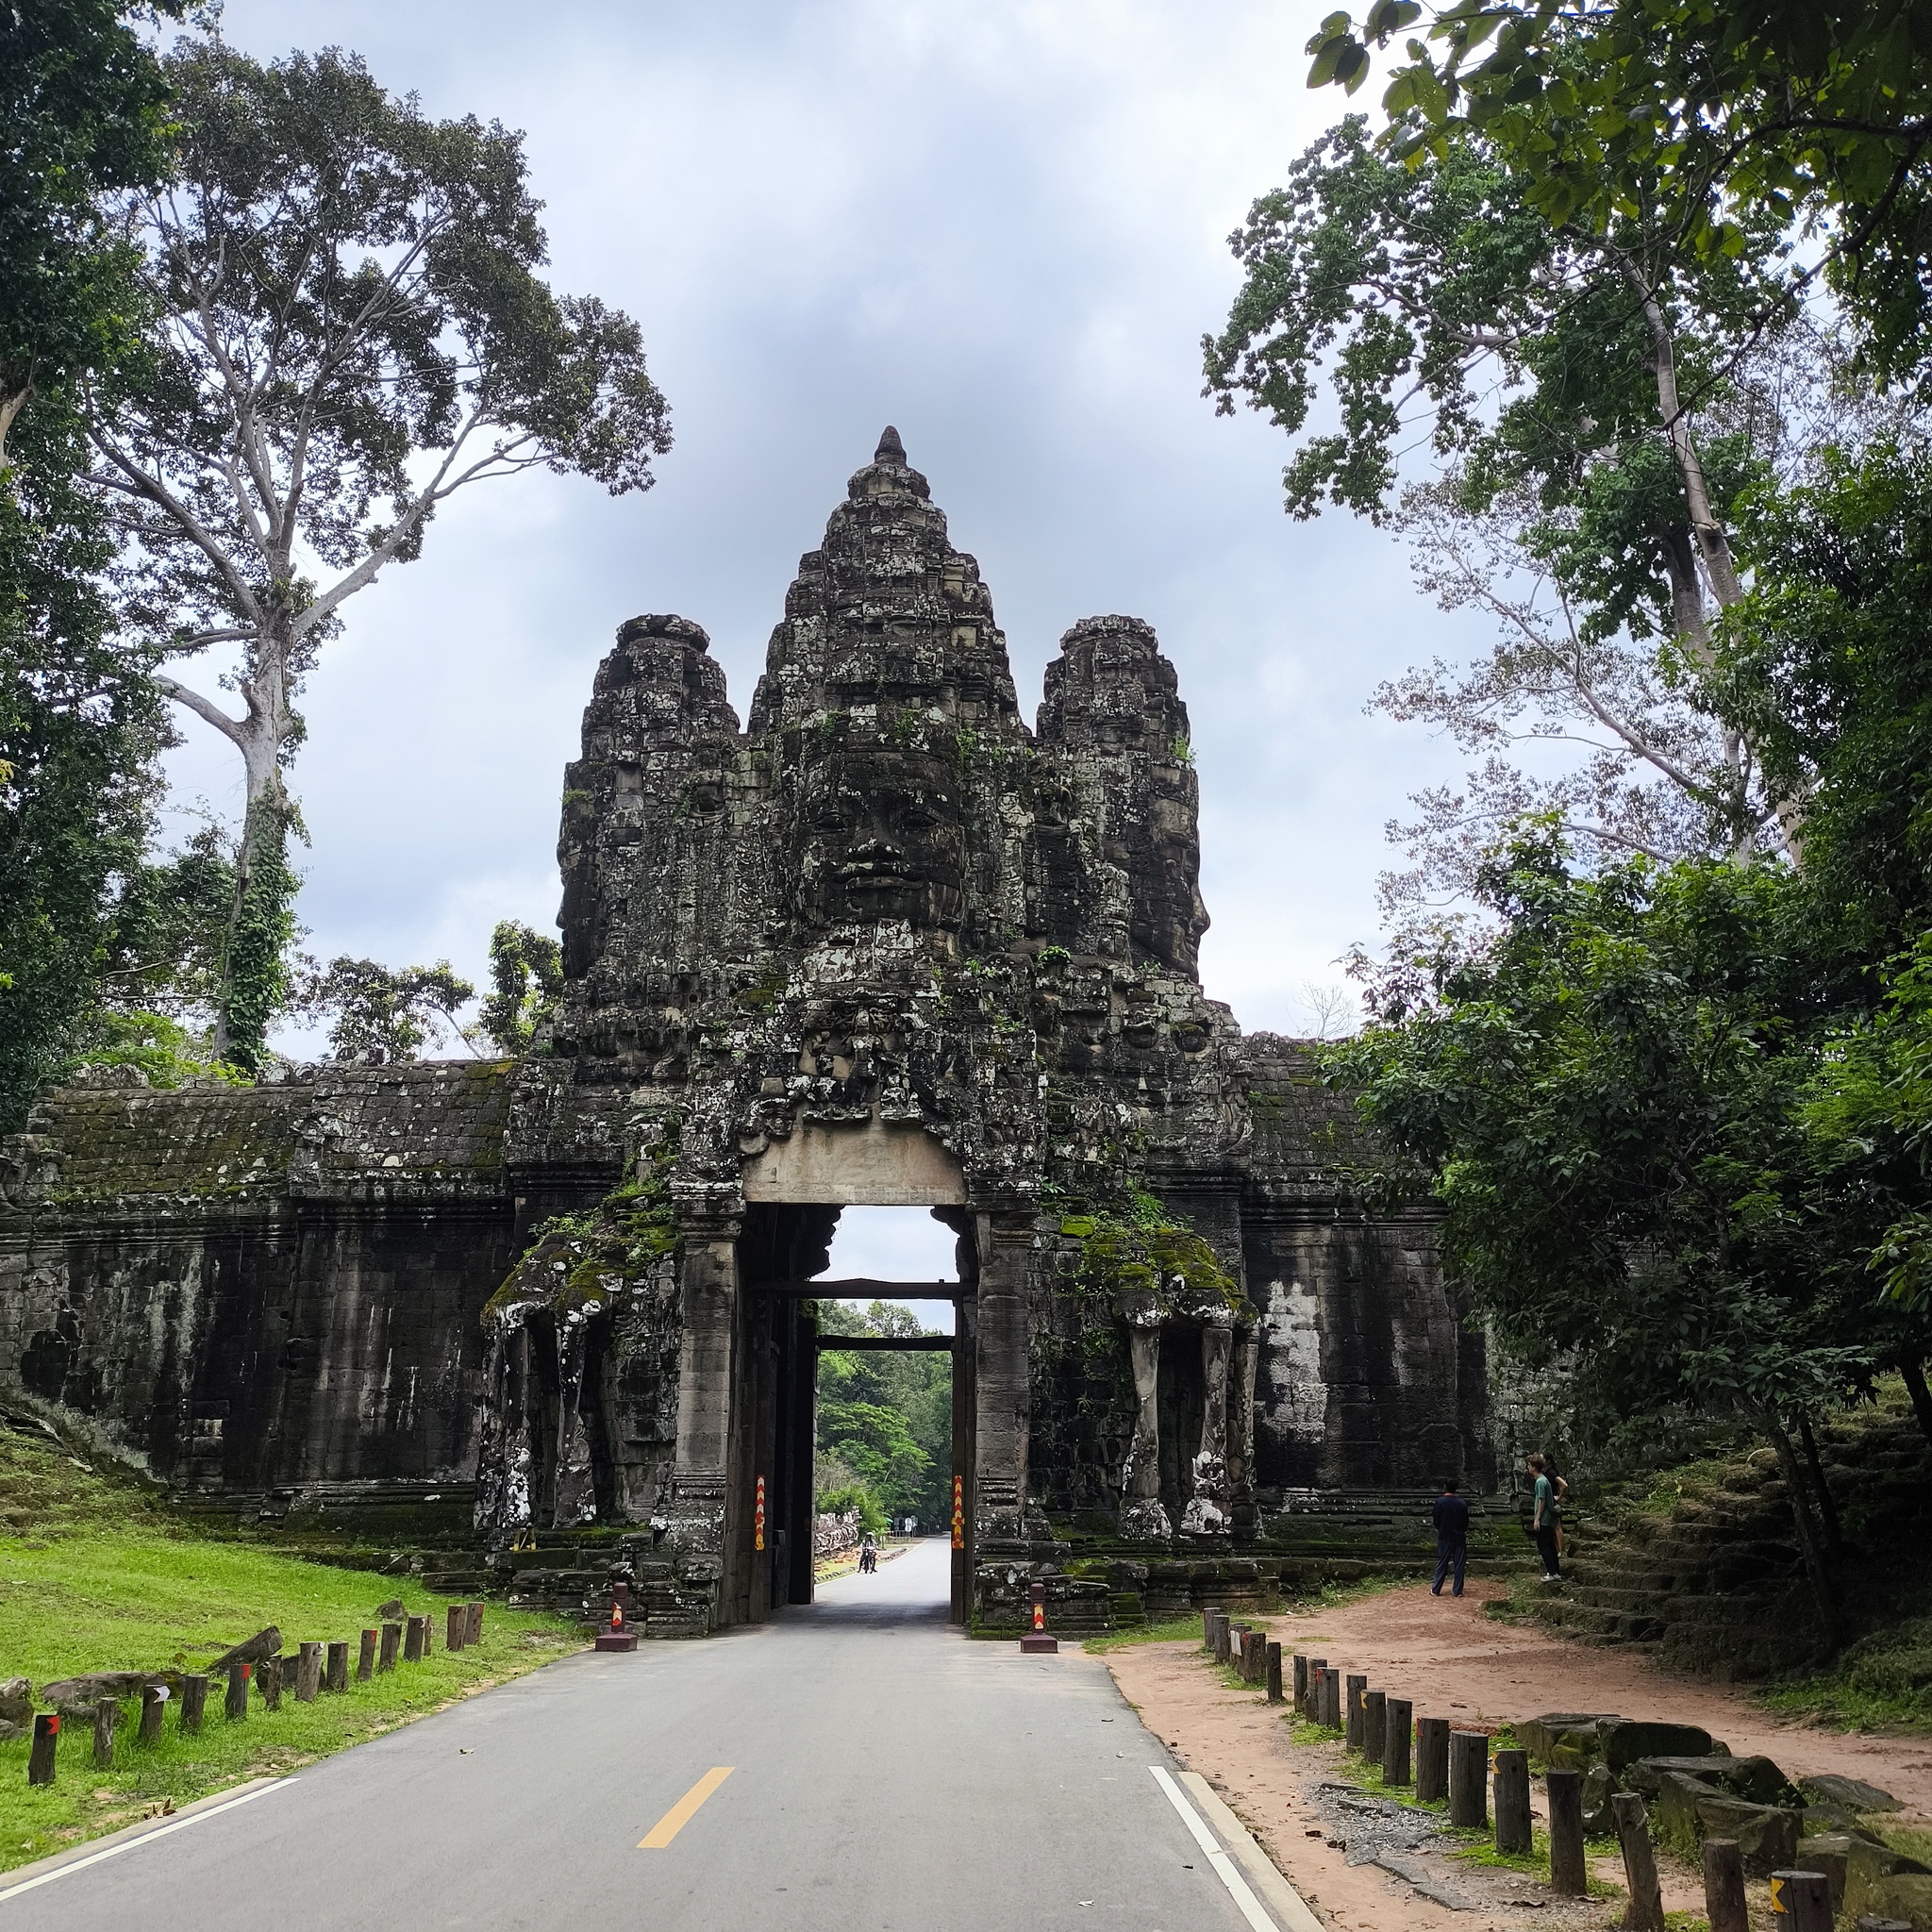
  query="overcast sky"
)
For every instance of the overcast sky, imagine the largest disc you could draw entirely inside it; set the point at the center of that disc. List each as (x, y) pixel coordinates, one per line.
(1001, 226)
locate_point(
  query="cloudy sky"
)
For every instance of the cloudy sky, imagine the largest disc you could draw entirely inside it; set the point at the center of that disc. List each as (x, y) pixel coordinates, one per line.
(1000, 224)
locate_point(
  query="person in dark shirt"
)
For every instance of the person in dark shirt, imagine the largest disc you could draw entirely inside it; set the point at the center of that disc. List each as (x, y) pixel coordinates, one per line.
(1451, 1537)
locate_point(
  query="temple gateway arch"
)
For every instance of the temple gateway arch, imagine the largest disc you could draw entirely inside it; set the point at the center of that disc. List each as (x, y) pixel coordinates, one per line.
(553, 1320)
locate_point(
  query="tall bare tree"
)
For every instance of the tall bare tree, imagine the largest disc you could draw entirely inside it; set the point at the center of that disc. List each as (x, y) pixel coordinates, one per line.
(350, 328)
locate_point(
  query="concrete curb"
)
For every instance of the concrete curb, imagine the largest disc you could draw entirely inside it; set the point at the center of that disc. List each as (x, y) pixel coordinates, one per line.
(1282, 1899)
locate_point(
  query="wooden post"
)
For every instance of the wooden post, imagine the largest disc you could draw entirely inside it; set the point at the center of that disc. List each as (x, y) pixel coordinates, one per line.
(1801, 1901)
(1301, 1683)
(1256, 1659)
(193, 1701)
(1352, 1729)
(1645, 1913)
(392, 1643)
(413, 1643)
(1469, 1779)
(1432, 1760)
(1397, 1718)
(1723, 1886)
(456, 1626)
(339, 1665)
(1209, 1613)
(106, 1714)
(1274, 1674)
(365, 1657)
(1316, 1666)
(269, 1681)
(1329, 1702)
(307, 1672)
(1512, 1801)
(474, 1633)
(1374, 1724)
(40, 1764)
(154, 1704)
(1569, 1874)
(235, 1705)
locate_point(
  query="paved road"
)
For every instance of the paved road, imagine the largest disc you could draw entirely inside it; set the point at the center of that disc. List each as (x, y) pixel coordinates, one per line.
(886, 1771)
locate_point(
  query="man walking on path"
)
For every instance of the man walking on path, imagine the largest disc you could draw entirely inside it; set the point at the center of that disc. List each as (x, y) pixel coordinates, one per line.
(1451, 1537)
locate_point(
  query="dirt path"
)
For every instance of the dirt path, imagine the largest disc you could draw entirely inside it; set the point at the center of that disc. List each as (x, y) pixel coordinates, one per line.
(1453, 1661)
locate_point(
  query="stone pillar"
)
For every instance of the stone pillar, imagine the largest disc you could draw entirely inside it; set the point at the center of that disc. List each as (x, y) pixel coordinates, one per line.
(698, 1504)
(1209, 1512)
(1002, 1387)
(1142, 1516)
(1247, 1361)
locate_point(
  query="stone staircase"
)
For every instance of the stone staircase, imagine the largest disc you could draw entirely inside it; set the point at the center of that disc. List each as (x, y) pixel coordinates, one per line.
(1702, 1566)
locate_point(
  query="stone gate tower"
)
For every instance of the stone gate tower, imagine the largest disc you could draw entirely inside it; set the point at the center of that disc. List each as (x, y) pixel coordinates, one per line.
(884, 943)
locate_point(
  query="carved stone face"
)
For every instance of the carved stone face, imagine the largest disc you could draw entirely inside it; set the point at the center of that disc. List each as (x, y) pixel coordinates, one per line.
(882, 835)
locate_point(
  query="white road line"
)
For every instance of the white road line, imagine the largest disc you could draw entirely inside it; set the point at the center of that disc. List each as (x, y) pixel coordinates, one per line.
(147, 1838)
(1251, 1907)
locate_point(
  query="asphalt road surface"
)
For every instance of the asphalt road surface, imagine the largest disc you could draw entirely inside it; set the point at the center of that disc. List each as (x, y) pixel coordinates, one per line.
(883, 1772)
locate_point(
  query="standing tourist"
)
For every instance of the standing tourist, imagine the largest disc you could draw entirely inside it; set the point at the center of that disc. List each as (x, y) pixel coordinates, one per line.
(1451, 1512)
(1544, 1514)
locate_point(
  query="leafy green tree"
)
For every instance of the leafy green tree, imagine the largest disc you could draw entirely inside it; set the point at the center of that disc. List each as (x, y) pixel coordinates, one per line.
(886, 1417)
(527, 983)
(80, 730)
(379, 1014)
(1591, 405)
(349, 327)
(1710, 113)
(1606, 1104)
(84, 104)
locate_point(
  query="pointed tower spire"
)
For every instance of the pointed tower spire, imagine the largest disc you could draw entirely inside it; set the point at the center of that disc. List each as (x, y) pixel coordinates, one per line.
(891, 449)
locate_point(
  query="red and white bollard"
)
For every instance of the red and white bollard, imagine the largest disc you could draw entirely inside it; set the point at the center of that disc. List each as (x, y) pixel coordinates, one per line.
(617, 1634)
(1037, 1643)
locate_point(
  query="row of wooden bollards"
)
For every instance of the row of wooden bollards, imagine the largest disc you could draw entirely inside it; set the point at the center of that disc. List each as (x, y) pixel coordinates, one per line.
(315, 1669)
(1443, 1763)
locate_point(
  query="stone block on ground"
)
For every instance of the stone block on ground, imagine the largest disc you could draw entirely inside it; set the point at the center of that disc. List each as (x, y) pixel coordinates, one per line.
(1870, 1868)
(1755, 1779)
(16, 1701)
(1623, 1741)
(1539, 1736)
(1849, 1793)
(1907, 1897)
(1767, 1835)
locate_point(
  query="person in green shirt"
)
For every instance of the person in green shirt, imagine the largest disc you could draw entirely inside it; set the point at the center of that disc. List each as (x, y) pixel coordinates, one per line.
(1544, 1509)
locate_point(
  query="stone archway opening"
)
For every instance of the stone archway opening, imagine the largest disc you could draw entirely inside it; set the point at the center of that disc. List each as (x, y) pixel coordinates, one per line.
(906, 1196)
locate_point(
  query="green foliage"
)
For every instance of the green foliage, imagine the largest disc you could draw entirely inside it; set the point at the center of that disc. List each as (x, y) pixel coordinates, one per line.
(1606, 1106)
(886, 1418)
(256, 970)
(383, 1014)
(855, 1499)
(80, 730)
(1881, 1683)
(85, 107)
(1714, 113)
(164, 1051)
(527, 983)
(1135, 1246)
(1441, 285)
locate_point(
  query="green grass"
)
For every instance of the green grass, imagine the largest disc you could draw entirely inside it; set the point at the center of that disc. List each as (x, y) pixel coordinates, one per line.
(97, 1576)
(1881, 1683)
(1173, 1630)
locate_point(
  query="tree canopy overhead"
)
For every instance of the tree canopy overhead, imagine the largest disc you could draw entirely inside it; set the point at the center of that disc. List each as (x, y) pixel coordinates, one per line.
(1707, 113)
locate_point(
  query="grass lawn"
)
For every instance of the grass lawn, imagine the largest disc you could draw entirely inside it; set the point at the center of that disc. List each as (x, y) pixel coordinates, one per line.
(97, 1576)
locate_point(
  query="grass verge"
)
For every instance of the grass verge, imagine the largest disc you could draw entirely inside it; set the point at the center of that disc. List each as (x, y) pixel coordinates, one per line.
(103, 1579)
(1174, 1630)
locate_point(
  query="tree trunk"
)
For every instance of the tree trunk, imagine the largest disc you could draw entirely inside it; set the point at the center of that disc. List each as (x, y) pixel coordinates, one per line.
(1816, 1565)
(1914, 1374)
(1834, 1530)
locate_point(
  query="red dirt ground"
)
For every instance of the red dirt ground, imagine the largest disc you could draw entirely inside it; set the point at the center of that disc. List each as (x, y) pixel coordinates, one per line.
(1452, 1660)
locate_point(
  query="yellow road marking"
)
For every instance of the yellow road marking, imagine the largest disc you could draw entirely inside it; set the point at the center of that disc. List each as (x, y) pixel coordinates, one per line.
(681, 1813)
